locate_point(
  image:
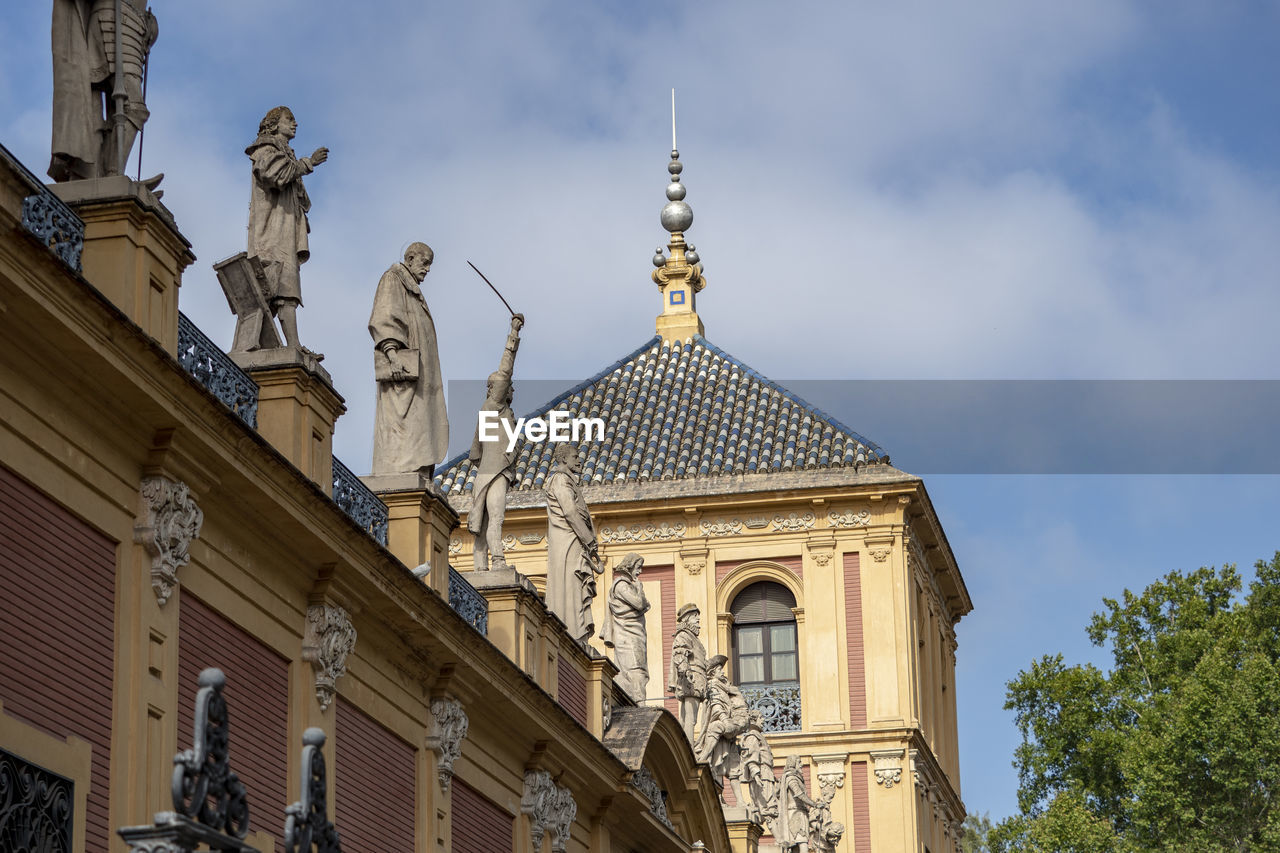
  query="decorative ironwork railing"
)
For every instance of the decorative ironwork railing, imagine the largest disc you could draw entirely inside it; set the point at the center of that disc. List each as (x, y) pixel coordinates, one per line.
(778, 704)
(357, 501)
(211, 367)
(467, 602)
(48, 218)
(35, 807)
(307, 826)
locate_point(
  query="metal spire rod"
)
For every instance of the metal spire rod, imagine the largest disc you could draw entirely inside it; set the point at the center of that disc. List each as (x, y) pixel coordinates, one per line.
(495, 290)
(673, 119)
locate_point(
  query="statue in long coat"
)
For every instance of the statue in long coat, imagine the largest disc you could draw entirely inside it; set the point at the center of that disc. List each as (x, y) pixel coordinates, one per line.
(278, 206)
(411, 426)
(572, 551)
(624, 628)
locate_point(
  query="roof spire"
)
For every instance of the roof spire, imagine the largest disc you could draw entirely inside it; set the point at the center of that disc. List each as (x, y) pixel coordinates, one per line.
(679, 273)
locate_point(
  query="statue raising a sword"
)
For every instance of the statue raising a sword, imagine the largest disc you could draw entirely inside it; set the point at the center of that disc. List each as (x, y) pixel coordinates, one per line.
(100, 50)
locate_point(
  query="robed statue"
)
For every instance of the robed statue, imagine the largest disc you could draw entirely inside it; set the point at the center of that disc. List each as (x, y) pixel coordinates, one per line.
(624, 628)
(278, 207)
(573, 558)
(727, 717)
(100, 50)
(410, 427)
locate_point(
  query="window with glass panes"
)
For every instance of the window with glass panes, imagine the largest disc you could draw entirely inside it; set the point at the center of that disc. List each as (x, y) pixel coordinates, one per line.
(764, 635)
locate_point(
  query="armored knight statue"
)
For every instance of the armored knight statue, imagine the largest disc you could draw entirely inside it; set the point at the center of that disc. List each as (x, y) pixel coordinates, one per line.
(410, 426)
(688, 677)
(727, 717)
(573, 557)
(98, 107)
(495, 464)
(278, 209)
(794, 805)
(624, 627)
(757, 772)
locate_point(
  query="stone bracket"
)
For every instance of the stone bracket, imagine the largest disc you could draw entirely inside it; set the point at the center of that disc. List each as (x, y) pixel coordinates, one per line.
(168, 519)
(888, 766)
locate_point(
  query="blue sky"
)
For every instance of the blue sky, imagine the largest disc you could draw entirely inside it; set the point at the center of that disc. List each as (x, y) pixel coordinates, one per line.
(989, 190)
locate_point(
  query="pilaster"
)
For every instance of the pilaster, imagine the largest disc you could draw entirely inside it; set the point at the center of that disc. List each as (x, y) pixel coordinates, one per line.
(133, 251)
(297, 408)
(419, 523)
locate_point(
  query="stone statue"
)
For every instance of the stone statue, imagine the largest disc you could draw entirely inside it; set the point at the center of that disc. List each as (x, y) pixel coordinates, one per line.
(278, 209)
(794, 804)
(757, 771)
(411, 427)
(824, 832)
(572, 551)
(624, 627)
(727, 717)
(495, 465)
(688, 678)
(86, 82)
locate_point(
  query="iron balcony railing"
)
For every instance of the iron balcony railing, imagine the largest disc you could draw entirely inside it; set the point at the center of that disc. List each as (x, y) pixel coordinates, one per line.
(47, 217)
(213, 369)
(778, 704)
(364, 507)
(467, 602)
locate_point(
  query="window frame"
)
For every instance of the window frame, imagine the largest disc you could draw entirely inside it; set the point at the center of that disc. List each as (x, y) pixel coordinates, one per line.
(767, 652)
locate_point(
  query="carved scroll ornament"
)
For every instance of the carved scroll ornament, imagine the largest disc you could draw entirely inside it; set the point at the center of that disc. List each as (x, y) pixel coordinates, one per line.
(327, 641)
(449, 726)
(550, 808)
(168, 519)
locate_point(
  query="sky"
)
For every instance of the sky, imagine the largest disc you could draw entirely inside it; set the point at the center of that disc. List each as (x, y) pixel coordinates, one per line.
(992, 190)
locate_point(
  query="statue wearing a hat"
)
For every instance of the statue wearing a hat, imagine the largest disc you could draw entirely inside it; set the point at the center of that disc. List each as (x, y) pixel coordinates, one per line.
(688, 679)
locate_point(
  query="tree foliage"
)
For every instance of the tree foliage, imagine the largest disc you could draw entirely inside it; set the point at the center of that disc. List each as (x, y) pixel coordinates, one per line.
(974, 832)
(1177, 746)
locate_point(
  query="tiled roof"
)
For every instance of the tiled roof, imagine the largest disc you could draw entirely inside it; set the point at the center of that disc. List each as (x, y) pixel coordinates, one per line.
(681, 411)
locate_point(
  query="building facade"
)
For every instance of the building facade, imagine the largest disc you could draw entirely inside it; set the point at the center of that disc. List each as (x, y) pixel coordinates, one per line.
(163, 512)
(820, 570)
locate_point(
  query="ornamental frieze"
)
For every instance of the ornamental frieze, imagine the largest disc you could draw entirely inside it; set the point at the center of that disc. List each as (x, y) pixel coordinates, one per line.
(722, 527)
(660, 532)
(794, 521)
(849, 518)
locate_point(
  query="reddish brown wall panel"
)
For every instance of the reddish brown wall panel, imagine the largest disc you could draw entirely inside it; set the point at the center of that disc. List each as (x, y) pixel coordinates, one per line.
(666, 577)
(853, 628)
(257, 694)
(861, 808)
(477, 824)
(57, 640)
(794, 564)
(374, 785)
(572, 690)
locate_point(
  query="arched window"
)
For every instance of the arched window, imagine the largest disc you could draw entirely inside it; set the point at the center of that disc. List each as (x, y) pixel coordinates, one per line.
(764, 635)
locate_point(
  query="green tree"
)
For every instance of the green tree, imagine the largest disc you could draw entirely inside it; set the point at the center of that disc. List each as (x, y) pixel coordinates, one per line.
(973, 833)
(1177, 747)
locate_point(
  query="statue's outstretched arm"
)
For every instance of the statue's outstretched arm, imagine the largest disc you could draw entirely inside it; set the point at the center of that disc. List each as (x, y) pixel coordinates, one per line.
(506, 366)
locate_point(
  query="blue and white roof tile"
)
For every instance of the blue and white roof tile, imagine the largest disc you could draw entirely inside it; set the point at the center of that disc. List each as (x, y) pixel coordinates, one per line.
(684, 410)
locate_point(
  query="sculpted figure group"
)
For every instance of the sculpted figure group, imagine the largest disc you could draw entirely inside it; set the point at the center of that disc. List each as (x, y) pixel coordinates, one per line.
(732, 742)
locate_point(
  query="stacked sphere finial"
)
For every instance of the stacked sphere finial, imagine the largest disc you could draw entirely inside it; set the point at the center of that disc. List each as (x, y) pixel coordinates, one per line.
(676, 216)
